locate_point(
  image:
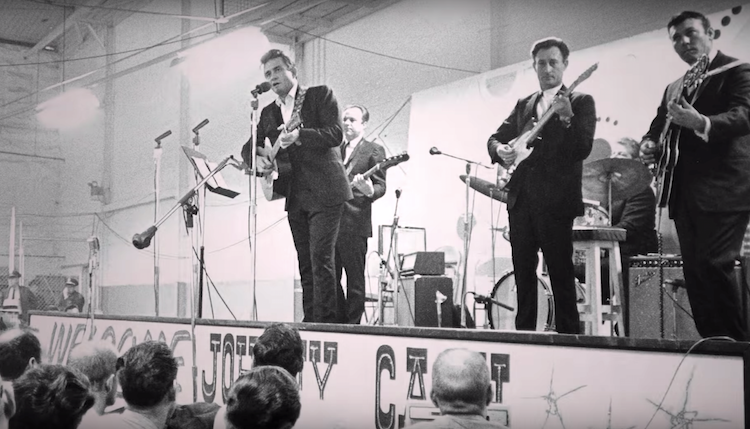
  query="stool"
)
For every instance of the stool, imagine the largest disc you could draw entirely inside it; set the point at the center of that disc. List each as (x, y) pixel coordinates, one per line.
(592, 240)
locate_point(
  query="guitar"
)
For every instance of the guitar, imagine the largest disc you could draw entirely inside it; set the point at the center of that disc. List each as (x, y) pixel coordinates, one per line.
(386, 164)
(524, 144)
(273, 183)
(669, 136)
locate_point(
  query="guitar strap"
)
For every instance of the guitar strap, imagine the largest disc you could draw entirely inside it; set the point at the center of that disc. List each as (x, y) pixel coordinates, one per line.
(298, 101)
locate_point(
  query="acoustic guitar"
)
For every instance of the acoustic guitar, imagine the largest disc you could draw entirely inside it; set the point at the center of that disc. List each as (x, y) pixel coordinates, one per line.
(273, 183)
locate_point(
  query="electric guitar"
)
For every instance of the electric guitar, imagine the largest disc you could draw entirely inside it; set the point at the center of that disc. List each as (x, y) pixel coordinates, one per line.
(524, 144)
(669, 136)
(386, 164)
(273, 183)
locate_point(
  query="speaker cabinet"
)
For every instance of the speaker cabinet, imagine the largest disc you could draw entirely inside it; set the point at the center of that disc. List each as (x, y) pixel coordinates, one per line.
(660, 312)
(417, 302)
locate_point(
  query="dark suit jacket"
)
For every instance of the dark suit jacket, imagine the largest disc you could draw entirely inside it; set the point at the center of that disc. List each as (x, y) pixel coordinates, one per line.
(357, 216)
(75, 299)
(637, 215)
(550, 178)
(27, 298)
(716, 174)
(317, 177)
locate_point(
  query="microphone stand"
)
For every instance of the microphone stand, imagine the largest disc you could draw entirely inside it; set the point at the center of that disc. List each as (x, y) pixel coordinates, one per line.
(198, 240)
(393, 250)
(157, 180)
(467, 232)
(93, 264)
(252, 212)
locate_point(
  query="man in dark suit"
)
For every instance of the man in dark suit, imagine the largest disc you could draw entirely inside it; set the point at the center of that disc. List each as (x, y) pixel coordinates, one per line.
(359, 155)
(710, 198)
(18, 299)
(544, 193)
(317, 187)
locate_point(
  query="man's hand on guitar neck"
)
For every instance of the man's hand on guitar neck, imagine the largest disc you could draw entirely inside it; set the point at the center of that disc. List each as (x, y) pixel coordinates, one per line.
(364, 185)
(562, 106)
(288, 138)
(685, 115)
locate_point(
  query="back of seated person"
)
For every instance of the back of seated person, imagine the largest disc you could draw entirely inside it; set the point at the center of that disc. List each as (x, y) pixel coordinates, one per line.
(280, 345)
(97, 360)
(266, 397)
(7, 403)
(50, 397)
(19, 350)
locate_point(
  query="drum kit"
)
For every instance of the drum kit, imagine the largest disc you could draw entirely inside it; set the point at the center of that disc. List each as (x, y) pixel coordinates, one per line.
(603, 180)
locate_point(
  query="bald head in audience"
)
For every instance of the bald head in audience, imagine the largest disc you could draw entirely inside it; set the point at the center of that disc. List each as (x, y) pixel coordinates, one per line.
(97, 360)
(19, 350)
(461, 382)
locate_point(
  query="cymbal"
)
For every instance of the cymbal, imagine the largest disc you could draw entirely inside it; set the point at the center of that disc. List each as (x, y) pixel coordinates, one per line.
(628, 178)
(600, 149)
(486, 188)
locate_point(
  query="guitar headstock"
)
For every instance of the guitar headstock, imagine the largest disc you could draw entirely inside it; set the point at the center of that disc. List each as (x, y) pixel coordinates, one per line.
(696, 73)
(393, 161)
(585, 75)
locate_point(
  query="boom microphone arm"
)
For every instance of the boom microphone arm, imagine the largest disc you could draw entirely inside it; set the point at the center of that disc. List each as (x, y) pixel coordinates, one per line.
(143, 240)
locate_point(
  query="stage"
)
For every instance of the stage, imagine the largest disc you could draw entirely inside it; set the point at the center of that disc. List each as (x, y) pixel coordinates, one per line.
(379, 376)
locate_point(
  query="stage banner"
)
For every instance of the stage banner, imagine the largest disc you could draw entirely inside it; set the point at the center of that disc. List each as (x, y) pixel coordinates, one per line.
(381, 377)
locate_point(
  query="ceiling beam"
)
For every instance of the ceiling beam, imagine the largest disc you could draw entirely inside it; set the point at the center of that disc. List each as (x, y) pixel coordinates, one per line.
(77, 14)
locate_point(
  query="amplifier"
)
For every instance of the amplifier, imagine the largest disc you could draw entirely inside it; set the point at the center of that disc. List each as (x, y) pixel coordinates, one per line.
(418, 300)
(661, 312)
(425, 263)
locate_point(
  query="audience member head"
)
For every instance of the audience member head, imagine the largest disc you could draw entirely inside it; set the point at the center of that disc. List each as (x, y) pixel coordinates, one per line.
(280, 345)
(146, 373)
(279, 70)
(19, 350)
(265, 397)
(50, 397)
(461, 382)
(14, 278)
(626, 148)
(97, 360)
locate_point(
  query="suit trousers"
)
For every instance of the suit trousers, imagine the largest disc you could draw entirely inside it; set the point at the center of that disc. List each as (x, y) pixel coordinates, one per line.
(351, 251)
(710, 243)
(314, 232)
(531, 230)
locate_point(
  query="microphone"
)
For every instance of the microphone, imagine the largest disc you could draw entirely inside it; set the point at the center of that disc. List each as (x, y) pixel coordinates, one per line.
(398, 193)
(260, 89)
(201, 125)
(435, 151)
(143, 240)
(163, 136)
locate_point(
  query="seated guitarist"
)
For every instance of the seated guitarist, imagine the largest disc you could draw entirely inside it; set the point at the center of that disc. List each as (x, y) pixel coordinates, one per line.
(710, 187)
(544, 193)
(317, 187)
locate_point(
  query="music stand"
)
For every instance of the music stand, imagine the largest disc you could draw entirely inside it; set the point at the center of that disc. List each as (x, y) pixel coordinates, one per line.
(204, 167)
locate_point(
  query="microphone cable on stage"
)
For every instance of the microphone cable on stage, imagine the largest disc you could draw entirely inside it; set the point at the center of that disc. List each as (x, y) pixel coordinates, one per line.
(669, 386)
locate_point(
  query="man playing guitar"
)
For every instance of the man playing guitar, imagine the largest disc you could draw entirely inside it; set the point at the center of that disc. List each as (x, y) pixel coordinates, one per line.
(317, 186)
(544, 193)
(704, 127)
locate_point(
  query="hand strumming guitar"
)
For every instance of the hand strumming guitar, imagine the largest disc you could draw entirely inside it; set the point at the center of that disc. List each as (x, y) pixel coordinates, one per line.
(288, 138)
(649, 150)
(506, 152)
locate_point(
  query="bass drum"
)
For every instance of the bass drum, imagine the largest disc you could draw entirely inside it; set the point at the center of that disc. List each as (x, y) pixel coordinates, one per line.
(505, 292)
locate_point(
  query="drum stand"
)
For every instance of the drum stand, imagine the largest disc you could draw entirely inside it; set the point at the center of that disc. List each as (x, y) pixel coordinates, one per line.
(395, 275)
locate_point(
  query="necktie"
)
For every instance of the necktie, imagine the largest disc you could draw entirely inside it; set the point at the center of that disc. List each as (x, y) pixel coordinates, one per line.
(13, 293)
(343, 151)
